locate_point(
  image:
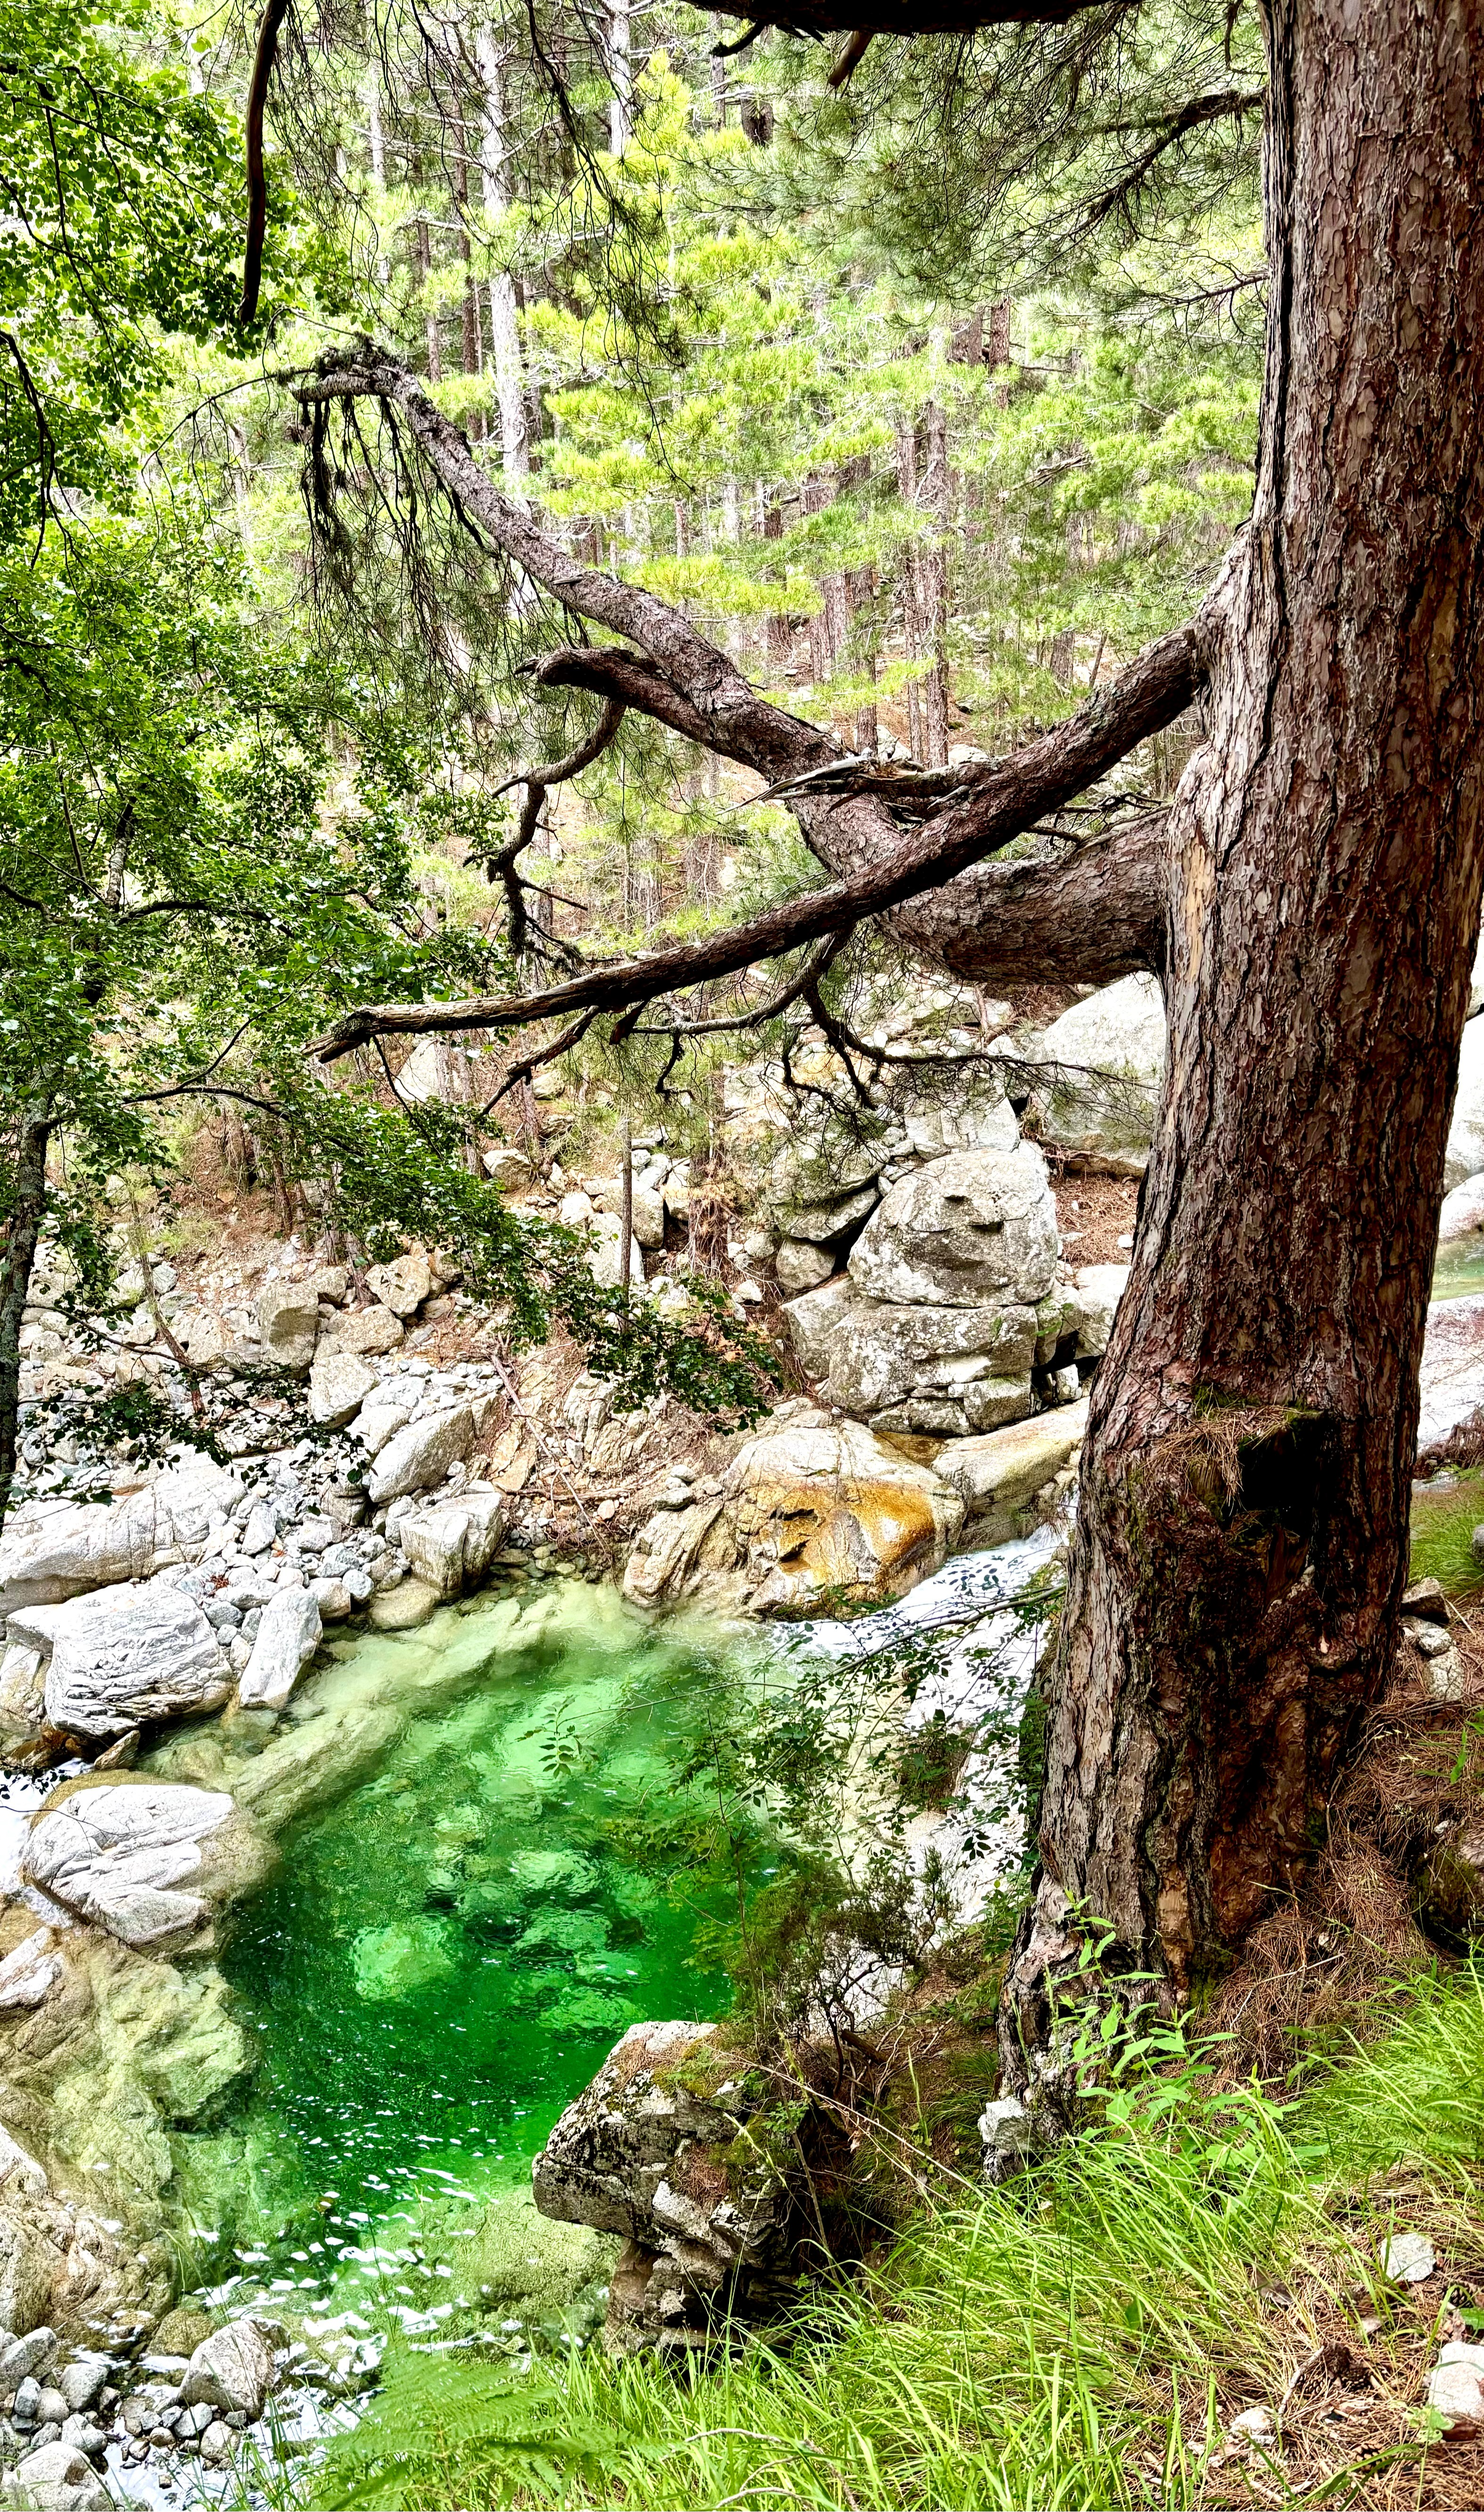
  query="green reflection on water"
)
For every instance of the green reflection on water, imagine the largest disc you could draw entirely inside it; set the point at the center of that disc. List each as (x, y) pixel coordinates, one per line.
(446, 1953)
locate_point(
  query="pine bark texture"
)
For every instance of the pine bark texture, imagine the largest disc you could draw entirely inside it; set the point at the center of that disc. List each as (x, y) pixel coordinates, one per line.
(1240, 1550)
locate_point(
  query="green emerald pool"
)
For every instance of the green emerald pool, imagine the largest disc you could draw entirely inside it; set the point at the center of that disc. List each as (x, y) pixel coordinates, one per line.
(449, 1949)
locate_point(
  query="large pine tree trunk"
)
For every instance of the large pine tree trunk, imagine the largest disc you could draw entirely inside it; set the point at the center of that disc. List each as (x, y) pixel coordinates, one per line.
(1240, 1550)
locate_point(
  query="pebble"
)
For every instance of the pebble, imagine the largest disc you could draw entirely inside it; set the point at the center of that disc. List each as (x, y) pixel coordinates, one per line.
(1408, 2259)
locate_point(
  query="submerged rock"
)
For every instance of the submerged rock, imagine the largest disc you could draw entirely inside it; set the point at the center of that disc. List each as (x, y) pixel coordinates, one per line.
(118, 1852)
(672, 2146)
(811, 1511)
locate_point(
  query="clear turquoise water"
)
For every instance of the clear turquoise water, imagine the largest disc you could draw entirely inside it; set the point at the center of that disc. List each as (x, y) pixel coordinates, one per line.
(447, 1952)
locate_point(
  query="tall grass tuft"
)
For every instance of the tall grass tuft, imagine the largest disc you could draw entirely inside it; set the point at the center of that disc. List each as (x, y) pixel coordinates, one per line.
(1080, 2339)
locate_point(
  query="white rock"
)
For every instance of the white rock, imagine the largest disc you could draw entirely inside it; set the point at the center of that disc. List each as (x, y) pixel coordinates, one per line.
(648, 1208)
(1463, 1212)
(206, 1344)
(1007, 2136)
(339, 1383)
(801, 1265)
(1408, 2259)
(289, 1323)
(453, 1544)
(54, 1550)
(905, 1367)
(260, 1531)
(231, 2369)
(1456, 2390)
(1254, 2424)
(417, 1457)
(403, 1285)
(365, 1331)
(57, 2478)
(1464, 1156)
(971, 1227)
(127, 1655)
(30, 1972)
(192, 1492)
(576, 1210)
(1115, 1041)
(20, 2170)
(288, 1637)
(605, 1234)
(21, 1688)
(1000, 1472)
(508, 1169)
(1099, 1289)
(333, 1599)
(117, 1854)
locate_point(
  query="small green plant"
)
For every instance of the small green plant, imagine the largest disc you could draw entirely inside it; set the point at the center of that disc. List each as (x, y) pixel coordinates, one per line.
(443, 2428)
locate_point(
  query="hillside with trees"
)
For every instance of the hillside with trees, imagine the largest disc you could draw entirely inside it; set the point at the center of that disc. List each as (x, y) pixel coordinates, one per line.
(740, 888)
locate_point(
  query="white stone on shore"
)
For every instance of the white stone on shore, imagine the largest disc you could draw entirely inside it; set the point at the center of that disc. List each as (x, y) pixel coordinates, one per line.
(288, 1635)
(415, 1458)
(125, 1655)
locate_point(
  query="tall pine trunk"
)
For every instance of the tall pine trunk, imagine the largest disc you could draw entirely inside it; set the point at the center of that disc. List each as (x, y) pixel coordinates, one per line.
(1240, 1550)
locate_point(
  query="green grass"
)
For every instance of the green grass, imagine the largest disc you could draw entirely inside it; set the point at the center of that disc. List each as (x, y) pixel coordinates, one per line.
(1443, 1521)
(1078, 2339)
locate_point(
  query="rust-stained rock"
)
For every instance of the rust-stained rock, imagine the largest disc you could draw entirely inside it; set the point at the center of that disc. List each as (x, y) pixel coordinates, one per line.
(681, 2147)
(812, 1514)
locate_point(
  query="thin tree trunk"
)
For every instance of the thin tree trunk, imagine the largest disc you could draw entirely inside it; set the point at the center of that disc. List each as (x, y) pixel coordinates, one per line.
(28, 1204)
(504, 316)
(626, 1207)
(912, 626)
(932, 581)
(1241, 1540)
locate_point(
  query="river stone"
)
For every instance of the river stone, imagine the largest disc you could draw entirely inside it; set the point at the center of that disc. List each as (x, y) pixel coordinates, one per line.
(24, 2357)
(57, 2478)
(118, 1852)
(339, 1384)
(402, 1608)
(51, 1552)
(1000, 1473)
(811, 1513)
(672, 2145)
(231, 2369)
(288, 1637)
(365, 1330)
(1455, 2389)
(22, 1690)
(289, 1323)
(971, 1227)
(125, 1655)
(81, 2381)
(453, 1544)
(29, 1975)
(206, 1344)
(403, 1285)
(1111, 1046)
(420, 1455)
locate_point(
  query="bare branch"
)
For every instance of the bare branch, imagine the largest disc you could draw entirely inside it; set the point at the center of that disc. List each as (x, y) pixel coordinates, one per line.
(538, 781)
(1009, 798)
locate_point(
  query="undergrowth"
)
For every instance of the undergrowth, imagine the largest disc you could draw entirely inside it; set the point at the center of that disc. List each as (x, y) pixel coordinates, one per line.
(1082, 2338)
(1444, 1516)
